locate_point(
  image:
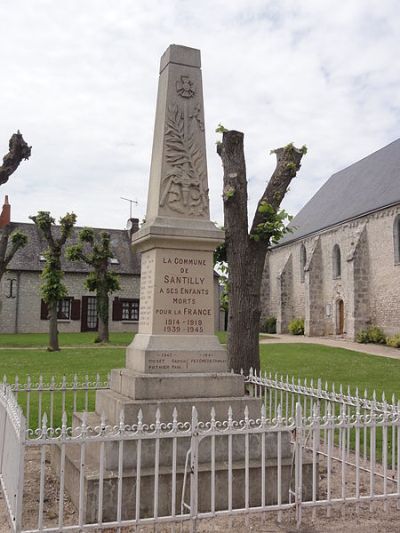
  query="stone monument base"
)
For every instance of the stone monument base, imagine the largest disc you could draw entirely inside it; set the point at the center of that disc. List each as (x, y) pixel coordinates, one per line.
(176, 354)
(132, 391)
(110, 485)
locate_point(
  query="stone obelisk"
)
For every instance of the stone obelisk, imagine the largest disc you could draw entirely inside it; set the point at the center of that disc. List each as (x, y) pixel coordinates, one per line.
(176, 325)
(176, 360)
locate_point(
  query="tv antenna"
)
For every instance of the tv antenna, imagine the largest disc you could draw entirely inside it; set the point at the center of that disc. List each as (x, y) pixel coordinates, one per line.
(130, 204)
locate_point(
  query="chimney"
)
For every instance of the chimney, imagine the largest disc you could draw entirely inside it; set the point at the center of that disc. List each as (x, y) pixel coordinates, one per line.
(132, 226)
(5, 216)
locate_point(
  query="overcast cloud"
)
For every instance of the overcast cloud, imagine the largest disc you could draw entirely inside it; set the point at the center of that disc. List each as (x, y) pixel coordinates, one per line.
(79, 79)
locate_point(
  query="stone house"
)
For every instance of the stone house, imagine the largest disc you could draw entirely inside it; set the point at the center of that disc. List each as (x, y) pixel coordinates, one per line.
(339, 268)
(23, 310)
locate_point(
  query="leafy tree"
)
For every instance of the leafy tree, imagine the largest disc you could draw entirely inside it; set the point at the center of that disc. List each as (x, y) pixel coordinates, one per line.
(10, 243)
(100, 280)
(53, 288)
(18, 150)
(246, 250)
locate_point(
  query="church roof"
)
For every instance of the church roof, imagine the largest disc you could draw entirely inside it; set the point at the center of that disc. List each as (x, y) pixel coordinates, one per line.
(366, 186)
(29, 257)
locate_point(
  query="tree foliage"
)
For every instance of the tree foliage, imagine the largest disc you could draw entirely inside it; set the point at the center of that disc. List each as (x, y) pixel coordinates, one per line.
(10, 243)
(95, 251)
(53, 289)
(246, 249)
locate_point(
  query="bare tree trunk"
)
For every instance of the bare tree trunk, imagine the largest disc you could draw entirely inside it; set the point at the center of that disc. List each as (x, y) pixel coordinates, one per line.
(18, 150)
(53, 328)
(102, 313)
(246, 251)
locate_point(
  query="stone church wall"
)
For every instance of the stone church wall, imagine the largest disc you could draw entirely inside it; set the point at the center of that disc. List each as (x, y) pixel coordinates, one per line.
(368, 285)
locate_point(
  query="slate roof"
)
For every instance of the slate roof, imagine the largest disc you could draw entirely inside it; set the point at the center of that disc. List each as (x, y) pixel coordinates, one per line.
(28, 258)
(366, 186)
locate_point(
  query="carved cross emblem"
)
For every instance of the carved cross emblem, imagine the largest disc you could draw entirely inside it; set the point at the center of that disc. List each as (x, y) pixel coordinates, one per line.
(184, 87)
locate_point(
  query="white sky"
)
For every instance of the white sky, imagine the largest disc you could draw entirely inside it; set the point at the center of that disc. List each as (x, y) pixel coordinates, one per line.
(79, 79)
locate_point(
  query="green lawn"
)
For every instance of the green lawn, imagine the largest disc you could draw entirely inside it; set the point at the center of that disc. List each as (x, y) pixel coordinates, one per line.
(333, 365)
(83, 357)
(69, 361)
(299, 360)
(40, 340)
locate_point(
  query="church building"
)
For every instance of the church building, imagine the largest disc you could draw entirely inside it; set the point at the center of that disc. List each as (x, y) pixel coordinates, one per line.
(339, 268)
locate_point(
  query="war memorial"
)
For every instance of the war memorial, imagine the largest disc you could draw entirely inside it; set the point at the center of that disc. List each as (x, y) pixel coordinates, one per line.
(176, 362)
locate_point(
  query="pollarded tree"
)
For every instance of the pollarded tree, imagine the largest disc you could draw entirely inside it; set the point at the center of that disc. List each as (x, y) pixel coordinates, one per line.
(53, 289)
(97, 255)
(246, 250)
(11, 241)
(18, 150)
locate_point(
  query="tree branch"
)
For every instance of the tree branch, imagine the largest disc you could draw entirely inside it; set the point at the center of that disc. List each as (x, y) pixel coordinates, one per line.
(287, 166)
(18, 150)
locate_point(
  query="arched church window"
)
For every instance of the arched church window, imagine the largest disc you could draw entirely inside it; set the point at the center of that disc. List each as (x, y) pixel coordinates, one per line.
(396, 239)
(303, 260)
(336, 262)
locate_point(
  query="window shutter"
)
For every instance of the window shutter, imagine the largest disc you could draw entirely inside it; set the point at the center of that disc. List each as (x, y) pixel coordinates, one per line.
(75, 309)
(44, 310)
(117, 309)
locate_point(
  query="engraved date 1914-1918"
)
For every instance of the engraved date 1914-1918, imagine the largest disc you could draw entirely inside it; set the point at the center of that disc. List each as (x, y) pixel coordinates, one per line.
(173, 325)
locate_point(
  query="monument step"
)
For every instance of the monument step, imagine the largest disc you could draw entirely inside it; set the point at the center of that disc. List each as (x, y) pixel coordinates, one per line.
(173, 386)
(111, 403)
(148, 449)
(129, 484)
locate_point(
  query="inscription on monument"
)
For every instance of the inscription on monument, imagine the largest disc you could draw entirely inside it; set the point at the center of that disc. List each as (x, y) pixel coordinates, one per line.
(173, 362)
(183, 293)
(146, 292)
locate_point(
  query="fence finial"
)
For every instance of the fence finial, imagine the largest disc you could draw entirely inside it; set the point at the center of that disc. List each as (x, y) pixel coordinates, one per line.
(175, 419)
(140, 420)
(195, 418)
(158, 419)
(44, 426)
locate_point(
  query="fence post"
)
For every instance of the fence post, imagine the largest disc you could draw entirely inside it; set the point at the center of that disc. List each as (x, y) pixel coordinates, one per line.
(194, 446)
(298, 463)
(21, 470)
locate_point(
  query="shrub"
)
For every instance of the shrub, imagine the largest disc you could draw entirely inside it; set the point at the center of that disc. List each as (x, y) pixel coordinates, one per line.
(371, 334)
(394, 341)
(269, 325)
(296, 326)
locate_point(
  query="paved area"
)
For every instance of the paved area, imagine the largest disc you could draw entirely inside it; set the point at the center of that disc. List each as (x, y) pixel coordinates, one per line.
(335, 342)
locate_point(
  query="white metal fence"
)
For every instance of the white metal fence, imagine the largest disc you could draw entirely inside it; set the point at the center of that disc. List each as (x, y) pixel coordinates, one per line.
(343, 449)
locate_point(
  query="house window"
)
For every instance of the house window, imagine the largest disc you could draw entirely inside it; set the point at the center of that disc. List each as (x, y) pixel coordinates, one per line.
(396, 239)
(336, 262)
(130, 309)
(64, 309)
(303, 260)
(12, 288)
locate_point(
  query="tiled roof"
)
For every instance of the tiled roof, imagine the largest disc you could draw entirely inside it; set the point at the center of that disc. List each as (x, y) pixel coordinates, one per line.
(366, 186)
(28, 258)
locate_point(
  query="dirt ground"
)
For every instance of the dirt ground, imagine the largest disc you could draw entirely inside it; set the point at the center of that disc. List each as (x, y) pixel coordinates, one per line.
(352, 519)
